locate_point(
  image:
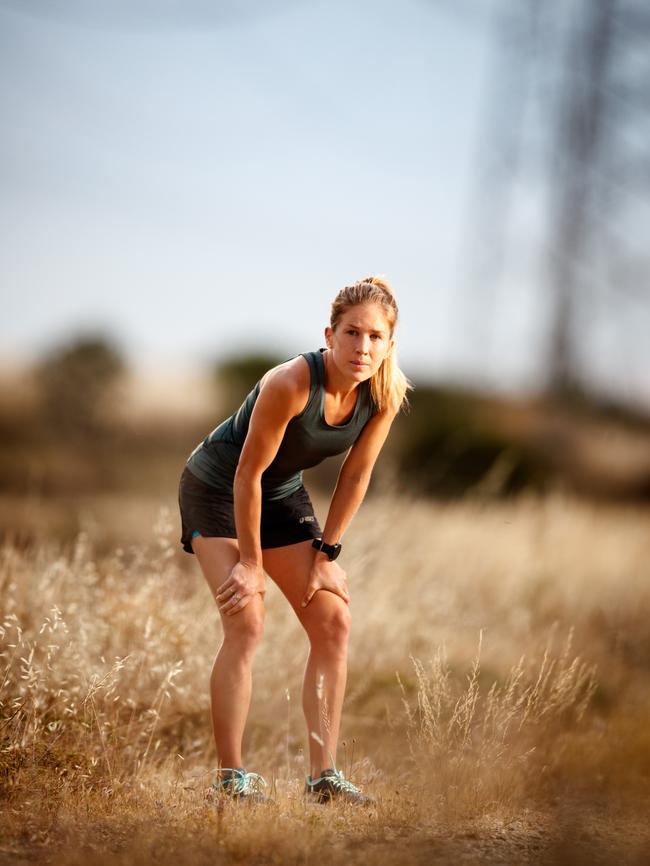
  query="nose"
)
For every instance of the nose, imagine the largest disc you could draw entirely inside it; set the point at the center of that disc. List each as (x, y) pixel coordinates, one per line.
(363, 346)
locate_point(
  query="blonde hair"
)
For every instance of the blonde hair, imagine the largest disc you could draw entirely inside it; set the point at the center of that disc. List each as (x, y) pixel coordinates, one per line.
(389, 385)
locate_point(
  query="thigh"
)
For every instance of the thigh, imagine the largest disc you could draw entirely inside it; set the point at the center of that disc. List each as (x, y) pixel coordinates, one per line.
(289, 567)
(217, 557)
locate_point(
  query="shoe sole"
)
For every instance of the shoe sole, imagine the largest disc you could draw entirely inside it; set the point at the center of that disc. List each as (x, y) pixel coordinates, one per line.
(326, 799)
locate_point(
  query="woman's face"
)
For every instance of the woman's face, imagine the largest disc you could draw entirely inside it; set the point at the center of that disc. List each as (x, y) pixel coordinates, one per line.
(360, 341)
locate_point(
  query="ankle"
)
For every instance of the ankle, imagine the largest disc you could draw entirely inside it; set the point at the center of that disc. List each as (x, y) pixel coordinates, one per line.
(231, 770)
(319, 773)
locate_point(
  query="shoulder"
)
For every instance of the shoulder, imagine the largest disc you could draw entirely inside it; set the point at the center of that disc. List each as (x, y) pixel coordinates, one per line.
(388, 410)
(382, 417)
(288, 382)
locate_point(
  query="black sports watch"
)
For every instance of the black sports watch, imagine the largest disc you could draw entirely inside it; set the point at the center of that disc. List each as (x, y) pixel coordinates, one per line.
(332, 550)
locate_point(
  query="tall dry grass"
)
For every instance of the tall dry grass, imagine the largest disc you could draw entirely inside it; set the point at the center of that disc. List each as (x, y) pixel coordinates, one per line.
(498, 680)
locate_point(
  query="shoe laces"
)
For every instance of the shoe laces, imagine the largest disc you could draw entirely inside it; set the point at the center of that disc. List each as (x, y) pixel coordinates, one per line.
(338, 781)
(242, 782)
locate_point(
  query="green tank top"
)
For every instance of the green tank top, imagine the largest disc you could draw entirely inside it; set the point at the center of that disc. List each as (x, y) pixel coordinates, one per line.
(307, 441)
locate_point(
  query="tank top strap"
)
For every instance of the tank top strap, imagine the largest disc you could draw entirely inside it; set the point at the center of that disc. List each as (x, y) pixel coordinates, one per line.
(316, 379)
(319, 365)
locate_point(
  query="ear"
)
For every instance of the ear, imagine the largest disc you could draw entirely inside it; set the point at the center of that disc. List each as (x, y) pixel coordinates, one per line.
(328, 336)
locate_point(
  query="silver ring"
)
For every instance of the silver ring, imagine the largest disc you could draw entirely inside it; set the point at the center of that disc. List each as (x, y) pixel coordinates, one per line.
(236, 596)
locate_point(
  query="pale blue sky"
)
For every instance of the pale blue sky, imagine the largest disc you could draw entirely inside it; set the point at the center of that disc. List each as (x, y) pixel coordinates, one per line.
(199, 177)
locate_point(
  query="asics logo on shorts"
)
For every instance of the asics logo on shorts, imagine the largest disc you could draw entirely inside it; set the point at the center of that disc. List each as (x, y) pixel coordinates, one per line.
(308, 518)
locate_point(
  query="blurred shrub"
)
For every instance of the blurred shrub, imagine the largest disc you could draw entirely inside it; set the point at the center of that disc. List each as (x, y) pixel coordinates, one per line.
(76, 383)
(238, 374)
(443, 447)
(446, 448)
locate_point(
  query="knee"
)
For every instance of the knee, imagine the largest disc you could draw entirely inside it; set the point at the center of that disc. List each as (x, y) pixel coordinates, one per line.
(244, 630)
(332, 629)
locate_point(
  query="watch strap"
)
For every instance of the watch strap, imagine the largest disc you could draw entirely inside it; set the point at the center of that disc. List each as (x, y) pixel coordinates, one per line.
(331, 550)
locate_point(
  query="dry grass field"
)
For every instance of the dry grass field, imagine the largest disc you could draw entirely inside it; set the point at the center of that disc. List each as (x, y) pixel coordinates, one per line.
(497, 705)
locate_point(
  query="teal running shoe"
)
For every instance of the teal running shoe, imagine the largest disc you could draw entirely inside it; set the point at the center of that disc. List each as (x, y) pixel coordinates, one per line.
(238, 784)
(332, 785)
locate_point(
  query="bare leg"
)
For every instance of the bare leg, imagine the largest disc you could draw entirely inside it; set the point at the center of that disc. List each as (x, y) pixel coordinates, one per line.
(323, 691)
(231, 678)
(326, 620)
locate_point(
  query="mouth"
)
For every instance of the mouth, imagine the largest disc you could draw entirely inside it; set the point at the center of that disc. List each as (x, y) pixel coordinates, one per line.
(358, 364)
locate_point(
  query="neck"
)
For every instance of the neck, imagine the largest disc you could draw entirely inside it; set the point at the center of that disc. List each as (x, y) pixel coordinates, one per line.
(336, 383)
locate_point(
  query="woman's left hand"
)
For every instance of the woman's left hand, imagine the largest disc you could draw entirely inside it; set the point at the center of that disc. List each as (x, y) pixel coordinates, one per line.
(326, 574)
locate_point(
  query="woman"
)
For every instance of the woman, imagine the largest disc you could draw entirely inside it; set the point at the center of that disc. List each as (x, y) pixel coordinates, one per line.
(245, 512)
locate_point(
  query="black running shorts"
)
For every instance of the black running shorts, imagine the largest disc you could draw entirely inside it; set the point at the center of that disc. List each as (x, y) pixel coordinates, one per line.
(210, 512)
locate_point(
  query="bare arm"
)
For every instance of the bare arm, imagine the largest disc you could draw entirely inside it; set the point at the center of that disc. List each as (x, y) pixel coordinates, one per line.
(354, 476)
(283, 394)
(349, 492)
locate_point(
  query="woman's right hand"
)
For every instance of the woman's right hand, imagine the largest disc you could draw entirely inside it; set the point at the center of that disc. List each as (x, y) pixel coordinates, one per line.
(240, 586)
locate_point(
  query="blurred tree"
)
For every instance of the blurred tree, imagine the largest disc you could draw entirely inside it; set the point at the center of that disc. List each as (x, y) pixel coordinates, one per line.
(567, 112)
(76, 382)
(576, 160)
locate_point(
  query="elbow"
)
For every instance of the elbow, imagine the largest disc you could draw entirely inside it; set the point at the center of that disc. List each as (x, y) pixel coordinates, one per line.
(356, 478)
(246, 477)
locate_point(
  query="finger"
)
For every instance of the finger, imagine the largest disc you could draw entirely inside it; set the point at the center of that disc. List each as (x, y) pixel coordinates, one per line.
(342, 593)
(241, 604)
(227, 584)
(229, 591)
(234, 599)
(309, 594)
